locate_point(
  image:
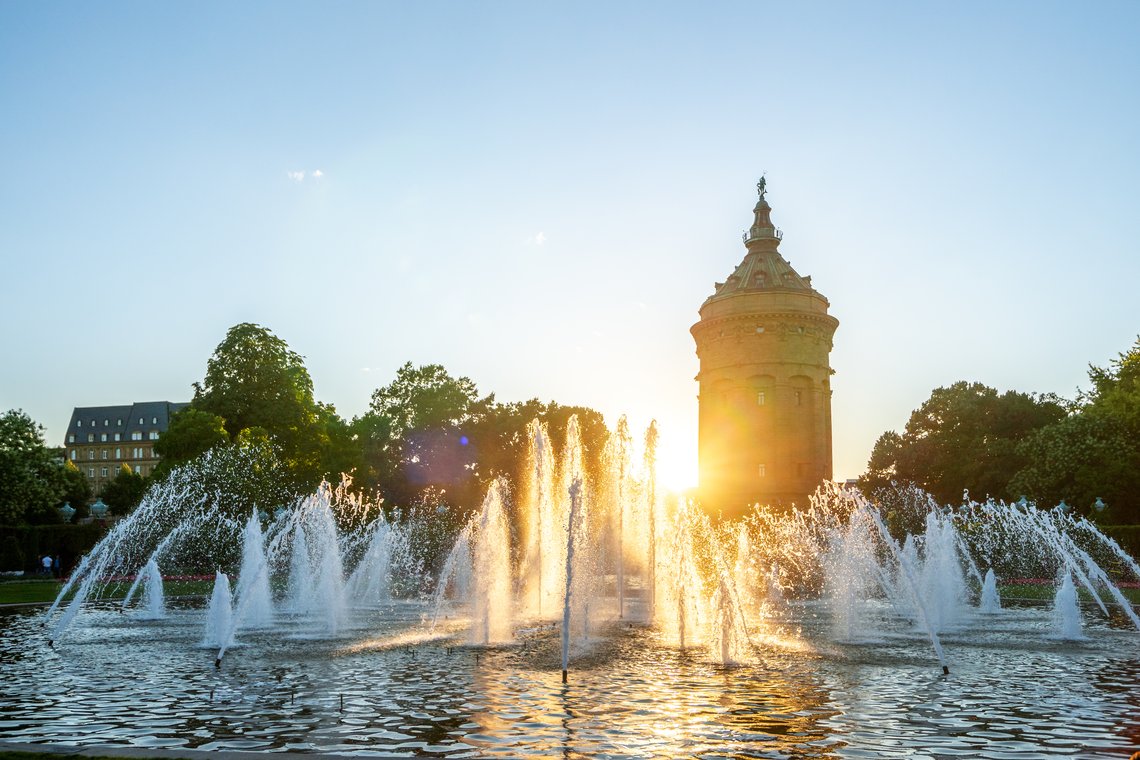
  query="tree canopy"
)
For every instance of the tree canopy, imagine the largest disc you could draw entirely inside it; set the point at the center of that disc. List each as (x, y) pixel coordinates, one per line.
(963, 438)
(254, 381)
(1013, 445)
(32, 481)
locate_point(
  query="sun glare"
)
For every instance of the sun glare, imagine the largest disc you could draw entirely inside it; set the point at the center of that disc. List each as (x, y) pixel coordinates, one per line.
(676, 465)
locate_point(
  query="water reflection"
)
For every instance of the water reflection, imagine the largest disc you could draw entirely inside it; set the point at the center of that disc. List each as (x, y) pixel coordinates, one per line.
(381, 688)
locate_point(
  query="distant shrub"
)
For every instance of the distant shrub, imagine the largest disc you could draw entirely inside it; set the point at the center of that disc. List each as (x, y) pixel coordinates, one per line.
(11, 555)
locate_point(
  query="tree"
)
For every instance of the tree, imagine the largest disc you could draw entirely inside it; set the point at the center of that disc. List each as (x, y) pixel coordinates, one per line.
(192, 432)
(1078, 460)
(1095, 451)
(77, 491)
(963, 438)
(31, 480)
(124, 492)
(418, 434)
(254, 380)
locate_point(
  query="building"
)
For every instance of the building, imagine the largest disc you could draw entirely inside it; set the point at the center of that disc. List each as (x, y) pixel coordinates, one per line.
(100, 439)
(763, 341)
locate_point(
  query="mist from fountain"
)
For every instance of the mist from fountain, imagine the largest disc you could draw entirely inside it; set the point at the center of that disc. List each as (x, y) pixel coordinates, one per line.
(219, 614)
(1066, 611)
(990, 601)
(153, 601)
(254, 597)
(598, 546)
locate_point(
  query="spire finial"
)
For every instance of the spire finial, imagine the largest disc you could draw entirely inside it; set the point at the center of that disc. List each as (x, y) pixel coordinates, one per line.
(762, 186)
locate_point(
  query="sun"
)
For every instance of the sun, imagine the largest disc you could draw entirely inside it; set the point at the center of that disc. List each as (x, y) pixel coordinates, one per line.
(676, 466)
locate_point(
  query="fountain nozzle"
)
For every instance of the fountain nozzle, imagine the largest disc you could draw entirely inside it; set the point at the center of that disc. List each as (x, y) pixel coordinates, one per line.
(563, 676)
(51, 644)
(218, 662)
(945, 670)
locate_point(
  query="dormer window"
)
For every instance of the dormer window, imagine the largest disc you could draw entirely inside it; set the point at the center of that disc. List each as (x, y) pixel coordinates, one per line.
(140, 420)
(154, 420)
(79, 423)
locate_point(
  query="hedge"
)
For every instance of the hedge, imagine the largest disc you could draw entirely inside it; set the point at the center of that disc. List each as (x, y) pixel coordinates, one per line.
(69, 542)
(1128, 536)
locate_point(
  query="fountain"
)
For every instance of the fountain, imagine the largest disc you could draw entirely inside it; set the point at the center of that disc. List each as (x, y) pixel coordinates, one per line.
(1066, 611)
(572, 586)
(990, 601)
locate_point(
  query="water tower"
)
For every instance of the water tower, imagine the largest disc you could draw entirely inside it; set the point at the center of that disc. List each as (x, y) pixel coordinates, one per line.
(763, 340)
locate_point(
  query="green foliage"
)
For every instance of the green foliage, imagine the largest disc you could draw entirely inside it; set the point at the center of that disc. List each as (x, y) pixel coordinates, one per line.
(963, 438)
(430, 433)
(426, 434)
(11, 555)
(418, 434)
(254, 381)
(124, 492)
(77, 491)
(31, 480)
(1127, 536)
(1077, 460)
(1095, 452)
(68, 542)
(967, 437)
(191, 432)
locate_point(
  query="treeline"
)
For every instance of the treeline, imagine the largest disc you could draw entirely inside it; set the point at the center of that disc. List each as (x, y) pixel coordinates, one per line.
(969, 438)
(426, 435)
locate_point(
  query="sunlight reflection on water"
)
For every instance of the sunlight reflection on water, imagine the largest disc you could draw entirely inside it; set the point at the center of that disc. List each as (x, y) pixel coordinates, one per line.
(390, 689)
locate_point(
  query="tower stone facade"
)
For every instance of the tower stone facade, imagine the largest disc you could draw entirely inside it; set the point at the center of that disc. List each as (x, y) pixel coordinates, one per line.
(763, 340)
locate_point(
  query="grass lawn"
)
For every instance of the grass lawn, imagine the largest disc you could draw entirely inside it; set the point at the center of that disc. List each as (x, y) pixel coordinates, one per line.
(1046, 592)
(45, 590)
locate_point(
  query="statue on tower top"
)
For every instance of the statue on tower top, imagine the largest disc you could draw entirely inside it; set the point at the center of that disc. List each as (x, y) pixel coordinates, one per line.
(762, 186)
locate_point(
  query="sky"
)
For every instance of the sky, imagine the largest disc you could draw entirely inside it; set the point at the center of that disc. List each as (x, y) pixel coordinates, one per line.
(540, 196)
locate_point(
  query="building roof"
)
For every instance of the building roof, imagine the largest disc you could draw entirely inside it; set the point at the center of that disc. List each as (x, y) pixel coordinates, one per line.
(142, 416)
(763, 268)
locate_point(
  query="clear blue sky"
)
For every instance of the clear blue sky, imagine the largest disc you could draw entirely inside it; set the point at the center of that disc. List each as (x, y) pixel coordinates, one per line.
(540, 197)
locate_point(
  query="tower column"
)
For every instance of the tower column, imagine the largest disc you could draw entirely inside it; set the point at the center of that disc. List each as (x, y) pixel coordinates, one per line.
(763, 340)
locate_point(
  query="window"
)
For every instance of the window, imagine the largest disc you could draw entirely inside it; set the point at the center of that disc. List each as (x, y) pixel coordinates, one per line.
(136, 436)
(91, 453)
(92, 423)
(73, 452)
(762, 471)
(106, 423)
(118, 453)
(71, 438)
(759, 329)
(799, 398)
(117, 436)
(105, 453)
(138, 470)
(79, 423)
(91, 438)
(103, 437)
(140, 420)
(760, 398)
(103, 472)
(152, 435)
(119, 422)
(154, 420)
(90, 472)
